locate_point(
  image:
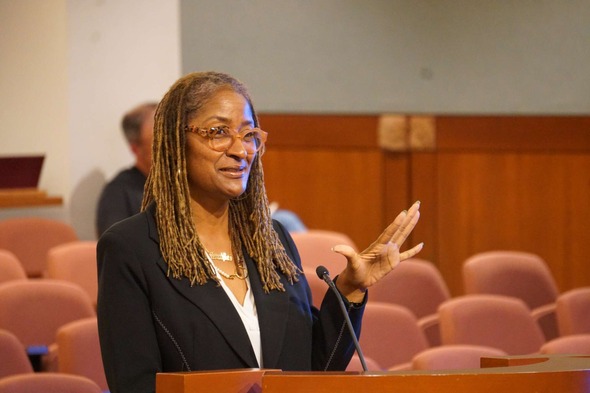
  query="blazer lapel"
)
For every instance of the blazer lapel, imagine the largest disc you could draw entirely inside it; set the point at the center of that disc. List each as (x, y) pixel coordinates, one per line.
(213, 301)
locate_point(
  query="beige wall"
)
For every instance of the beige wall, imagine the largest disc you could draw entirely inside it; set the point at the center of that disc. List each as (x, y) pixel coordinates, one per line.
(70, 68)
(397, 56)
(34, 86)
(68, 71)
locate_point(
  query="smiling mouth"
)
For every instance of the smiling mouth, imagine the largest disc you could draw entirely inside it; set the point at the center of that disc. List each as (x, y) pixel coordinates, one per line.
(234, 171)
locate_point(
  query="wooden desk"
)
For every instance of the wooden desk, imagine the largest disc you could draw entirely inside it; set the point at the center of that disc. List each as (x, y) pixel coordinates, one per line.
(27, 197)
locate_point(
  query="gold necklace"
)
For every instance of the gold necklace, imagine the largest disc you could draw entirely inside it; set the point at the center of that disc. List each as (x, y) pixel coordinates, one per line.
(223, 256)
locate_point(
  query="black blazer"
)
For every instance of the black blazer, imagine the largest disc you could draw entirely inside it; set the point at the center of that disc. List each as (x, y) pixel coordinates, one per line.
(150, 322)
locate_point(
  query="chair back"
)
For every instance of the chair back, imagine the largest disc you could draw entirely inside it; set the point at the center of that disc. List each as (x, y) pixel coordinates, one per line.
(416, 284)
(390, 334)
(315, 248)
(29, 238)
(511, 273)
(10, 267)
(490, 320)
(13, 355)
(519, 274)
(573, 311)
(48, 383)
(576, 344)
(33, 310)
(79, 350)
(356, 365)
(75, 262)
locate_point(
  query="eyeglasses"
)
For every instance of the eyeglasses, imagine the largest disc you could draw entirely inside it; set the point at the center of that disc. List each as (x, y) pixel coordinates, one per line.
(221, 138)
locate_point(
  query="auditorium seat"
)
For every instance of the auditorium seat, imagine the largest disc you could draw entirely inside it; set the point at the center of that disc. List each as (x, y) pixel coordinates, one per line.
(10, 267)
(575, 344)
(496, 321)
(315, 248)
(13, 356)
(450, 357)
(515, 273)
(78, 350)
(573, 311)
(75, 262)
(418, 285)
(33, 310)
(47, 383)
(390, 335)
(356, 365)
(29, 238)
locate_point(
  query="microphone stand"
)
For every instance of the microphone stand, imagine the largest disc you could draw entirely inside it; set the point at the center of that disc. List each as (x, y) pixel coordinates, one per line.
(323, 273)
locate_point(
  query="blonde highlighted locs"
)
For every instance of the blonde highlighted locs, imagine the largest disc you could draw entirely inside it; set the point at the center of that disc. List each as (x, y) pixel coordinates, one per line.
(167, 185)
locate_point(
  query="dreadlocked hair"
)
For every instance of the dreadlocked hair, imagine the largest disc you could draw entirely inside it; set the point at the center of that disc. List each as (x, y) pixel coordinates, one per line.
(250, 222)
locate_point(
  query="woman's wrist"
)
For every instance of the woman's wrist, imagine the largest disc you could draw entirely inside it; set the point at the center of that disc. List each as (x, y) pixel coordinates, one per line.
(351, 292)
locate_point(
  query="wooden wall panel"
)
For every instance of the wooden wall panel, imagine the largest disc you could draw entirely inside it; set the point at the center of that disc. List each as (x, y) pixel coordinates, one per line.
(330, 171)
(500, 201)
(423, 186)
(498, 192)
(577, 261)
(335, 190)
(488, 182)
(396, 184)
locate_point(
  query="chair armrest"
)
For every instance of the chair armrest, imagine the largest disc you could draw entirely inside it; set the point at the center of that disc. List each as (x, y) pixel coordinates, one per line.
(547, 320)
(430, 326)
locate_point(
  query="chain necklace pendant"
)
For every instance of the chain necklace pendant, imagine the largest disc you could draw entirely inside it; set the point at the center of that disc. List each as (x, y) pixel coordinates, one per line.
(239, 267)
(222, 256)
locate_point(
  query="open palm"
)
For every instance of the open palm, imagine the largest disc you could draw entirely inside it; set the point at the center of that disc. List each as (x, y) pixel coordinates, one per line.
(383, 255)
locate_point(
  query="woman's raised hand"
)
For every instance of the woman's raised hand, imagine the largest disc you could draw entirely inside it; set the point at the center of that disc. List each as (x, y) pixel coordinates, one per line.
(369, 266)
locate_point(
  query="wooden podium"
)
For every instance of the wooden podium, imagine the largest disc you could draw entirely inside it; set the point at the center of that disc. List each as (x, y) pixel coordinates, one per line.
(519, 374)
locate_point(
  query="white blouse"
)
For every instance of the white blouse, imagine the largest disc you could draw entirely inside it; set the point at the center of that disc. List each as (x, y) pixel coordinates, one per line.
(248, 314)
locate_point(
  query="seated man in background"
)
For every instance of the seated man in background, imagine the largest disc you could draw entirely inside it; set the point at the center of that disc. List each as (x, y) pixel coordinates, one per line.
(122, 196)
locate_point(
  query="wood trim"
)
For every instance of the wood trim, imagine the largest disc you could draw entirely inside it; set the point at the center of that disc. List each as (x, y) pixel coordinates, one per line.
(423, 186)
(320, 131)
(516, 133)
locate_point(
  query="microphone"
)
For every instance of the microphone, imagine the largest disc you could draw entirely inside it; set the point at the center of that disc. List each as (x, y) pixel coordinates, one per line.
(323, 273)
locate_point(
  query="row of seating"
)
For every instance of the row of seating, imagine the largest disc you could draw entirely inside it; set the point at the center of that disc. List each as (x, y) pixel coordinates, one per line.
(30, 238)
(76, 351)
(471, 326)
(52, 324)
(74, 262)
(48, 383)
(520, 279)
(48, 290)
(416, 289)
